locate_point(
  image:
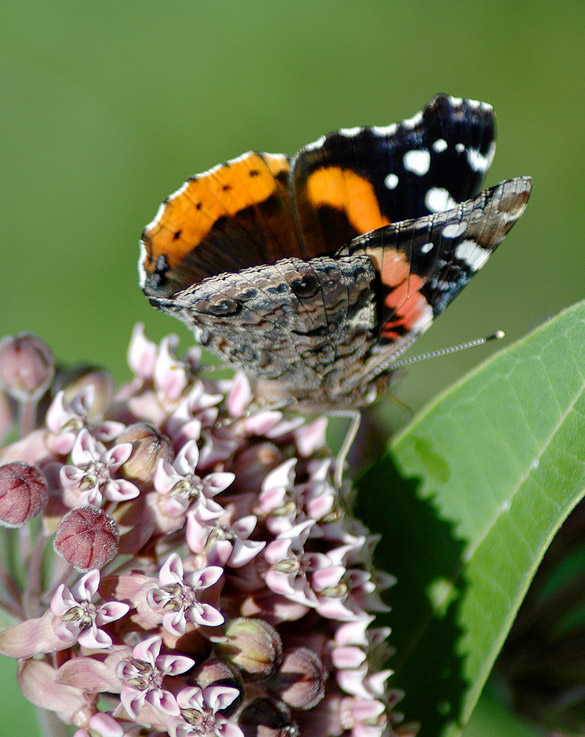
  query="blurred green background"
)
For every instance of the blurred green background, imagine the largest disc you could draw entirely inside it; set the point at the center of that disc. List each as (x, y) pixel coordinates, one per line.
(108, 107)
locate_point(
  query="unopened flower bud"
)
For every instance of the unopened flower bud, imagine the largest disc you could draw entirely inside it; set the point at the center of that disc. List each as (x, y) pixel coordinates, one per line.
(300, 679)
(87, 538)
(267, 718)
(73, 381)
(148, 447)
(254, 647)
(27, 366)
(23, 493)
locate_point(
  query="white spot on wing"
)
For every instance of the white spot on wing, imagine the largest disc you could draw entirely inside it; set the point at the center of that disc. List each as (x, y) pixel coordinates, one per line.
(141, 270)
(158, 215)
(443, 286)
(454, 230)
(414, 121)
(456, 101)
(384, 131)
(474, 256)
(237, 159)
(426, 247)
(438, 199)
(272, 157)
(459, 147)
(417, 162)
(439, 145)
(185, 186)
(476, 160)
(225, 164)
(424, 321)
(350, 132)
(315, 144)
(391, 181)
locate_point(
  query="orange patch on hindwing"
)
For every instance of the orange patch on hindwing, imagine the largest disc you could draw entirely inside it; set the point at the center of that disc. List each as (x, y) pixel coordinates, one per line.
(406, 305)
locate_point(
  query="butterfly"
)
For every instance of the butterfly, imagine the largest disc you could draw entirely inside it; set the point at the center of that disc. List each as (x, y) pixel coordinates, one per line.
(315, 273)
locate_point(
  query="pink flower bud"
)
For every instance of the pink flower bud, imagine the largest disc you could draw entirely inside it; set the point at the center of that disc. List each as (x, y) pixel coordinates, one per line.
(87, 538)
(27, 366)
(23, 493)
(300, 680)
(215, 672)
(253, 646)
(148, 447)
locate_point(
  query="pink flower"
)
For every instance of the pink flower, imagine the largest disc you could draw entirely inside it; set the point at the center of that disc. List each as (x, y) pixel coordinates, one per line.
(103, 725)
(142, 354)
(364, 717)
(92, 469)
(199, 715)
(198, 409)
(178, 596)
(278, 498)
(181, 487)
(80, 618)
(227, 587)
(171, 376)
(223, 544)
(144, 674)
(66, 419)
(289, 565)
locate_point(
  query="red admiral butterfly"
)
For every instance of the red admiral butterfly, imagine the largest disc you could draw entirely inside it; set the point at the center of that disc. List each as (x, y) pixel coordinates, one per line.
(315, 273)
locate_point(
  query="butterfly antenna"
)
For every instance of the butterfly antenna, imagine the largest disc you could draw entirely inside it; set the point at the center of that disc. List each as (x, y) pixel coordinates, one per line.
(498, 335)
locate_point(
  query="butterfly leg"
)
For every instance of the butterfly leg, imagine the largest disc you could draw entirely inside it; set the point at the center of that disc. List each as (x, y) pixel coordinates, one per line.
(355, 418)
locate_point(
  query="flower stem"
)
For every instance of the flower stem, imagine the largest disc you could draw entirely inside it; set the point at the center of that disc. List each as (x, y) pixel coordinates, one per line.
(27, 412)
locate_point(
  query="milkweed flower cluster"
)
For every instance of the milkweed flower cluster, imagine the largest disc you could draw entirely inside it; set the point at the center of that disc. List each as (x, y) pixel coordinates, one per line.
(187, 566)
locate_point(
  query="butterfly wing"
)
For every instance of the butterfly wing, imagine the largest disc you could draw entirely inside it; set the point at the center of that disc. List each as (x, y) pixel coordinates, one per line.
(236, 215)
(360, 179)
(256, 209)
(314, 276)
(423, 264)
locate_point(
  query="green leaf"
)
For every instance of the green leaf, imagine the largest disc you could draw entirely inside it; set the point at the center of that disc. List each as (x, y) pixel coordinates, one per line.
(467, 499)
